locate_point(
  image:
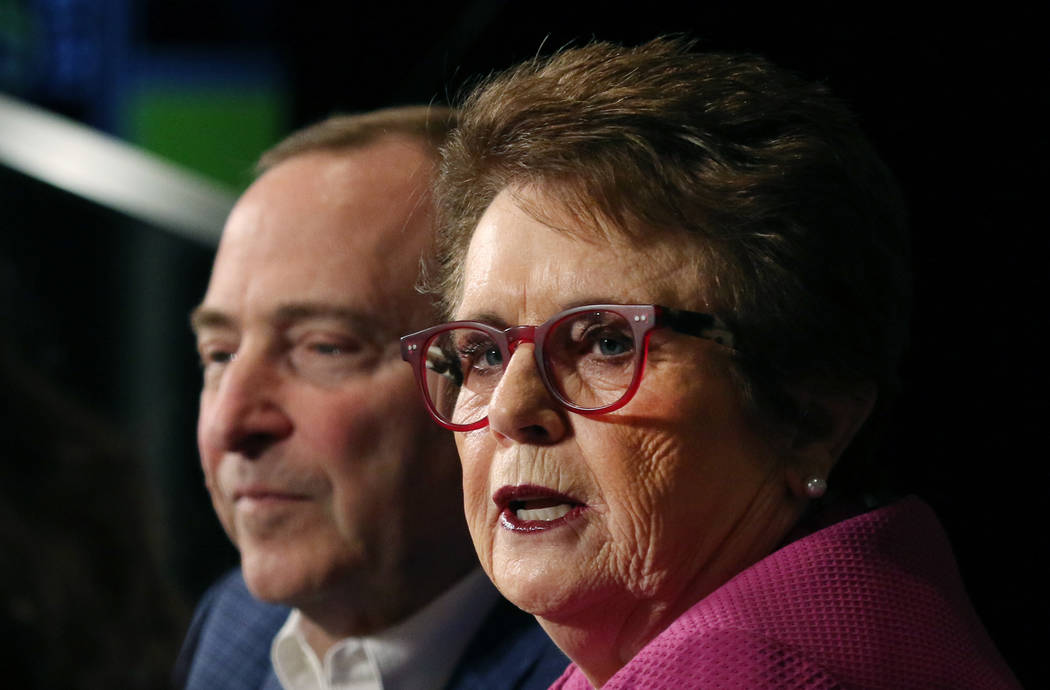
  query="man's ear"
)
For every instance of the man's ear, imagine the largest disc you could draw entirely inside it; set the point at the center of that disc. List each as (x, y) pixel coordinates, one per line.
(830, 419)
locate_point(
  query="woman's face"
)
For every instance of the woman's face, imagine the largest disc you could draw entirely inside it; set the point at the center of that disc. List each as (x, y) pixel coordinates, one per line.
(663, 499)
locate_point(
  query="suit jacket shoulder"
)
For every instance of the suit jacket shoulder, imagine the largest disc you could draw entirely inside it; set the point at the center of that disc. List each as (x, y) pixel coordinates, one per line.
(510, 652)
(228, 642)
(228, 646)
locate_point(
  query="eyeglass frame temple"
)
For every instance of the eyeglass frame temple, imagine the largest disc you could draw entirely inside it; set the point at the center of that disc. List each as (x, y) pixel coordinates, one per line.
(698, 324)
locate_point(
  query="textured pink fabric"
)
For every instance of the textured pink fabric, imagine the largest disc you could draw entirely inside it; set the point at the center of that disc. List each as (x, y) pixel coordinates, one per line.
(871, 602)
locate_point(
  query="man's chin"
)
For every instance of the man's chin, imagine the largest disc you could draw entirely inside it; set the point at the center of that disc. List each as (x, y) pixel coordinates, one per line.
(275, 578)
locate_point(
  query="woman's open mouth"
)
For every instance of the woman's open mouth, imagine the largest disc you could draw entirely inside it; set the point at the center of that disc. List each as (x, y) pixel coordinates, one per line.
(529, 508)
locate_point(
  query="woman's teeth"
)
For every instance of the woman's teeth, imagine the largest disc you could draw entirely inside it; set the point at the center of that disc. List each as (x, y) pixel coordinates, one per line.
(544, 514)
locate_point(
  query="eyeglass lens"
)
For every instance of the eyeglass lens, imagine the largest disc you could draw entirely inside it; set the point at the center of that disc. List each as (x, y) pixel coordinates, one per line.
(589, 359)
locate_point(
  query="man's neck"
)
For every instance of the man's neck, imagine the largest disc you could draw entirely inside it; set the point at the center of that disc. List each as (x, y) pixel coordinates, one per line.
(329, 619)
(421, 651)
(319, 639)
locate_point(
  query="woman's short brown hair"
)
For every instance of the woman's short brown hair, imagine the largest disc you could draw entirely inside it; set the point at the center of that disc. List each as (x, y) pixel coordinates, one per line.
(798, 225)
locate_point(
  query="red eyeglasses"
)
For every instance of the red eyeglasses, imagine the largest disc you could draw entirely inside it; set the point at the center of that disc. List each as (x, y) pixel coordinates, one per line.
(590, 358)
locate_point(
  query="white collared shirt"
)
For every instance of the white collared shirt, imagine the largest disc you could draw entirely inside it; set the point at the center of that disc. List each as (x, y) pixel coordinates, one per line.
(419, 653)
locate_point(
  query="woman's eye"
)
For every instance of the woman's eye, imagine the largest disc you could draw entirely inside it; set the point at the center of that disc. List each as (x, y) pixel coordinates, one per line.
(610, 347)
(606, 342)
(481, 356)
(493, 358)
(593, 335)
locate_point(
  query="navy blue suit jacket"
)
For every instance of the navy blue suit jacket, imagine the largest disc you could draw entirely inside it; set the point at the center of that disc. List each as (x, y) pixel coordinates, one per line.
(228, 646)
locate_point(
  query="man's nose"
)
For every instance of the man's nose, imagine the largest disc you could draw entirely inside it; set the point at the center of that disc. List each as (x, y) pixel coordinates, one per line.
(521, 408)
(245, 413)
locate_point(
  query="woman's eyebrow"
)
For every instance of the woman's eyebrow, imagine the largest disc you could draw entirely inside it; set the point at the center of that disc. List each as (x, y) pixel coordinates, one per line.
(592, 299)
(494, 320)
(486, 317)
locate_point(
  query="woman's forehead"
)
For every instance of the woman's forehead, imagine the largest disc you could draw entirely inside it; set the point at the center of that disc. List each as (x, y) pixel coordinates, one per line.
(519, 263)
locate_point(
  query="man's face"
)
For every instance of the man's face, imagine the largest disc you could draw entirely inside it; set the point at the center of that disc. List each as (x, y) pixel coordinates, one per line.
(321, 462)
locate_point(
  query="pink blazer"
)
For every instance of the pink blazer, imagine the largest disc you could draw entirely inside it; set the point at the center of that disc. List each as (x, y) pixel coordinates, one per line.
(874, 601)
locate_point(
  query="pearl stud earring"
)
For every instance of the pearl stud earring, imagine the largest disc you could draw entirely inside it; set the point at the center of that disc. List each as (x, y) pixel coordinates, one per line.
(816, 486)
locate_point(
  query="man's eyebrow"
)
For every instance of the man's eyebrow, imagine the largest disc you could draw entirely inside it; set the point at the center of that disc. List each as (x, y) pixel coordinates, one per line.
(303, 311)
(371, 326)
(362, 323)
(202, 317)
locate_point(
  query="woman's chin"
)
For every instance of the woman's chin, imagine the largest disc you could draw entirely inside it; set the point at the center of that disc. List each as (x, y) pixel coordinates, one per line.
(540, 598)
(552, 568)
(549, 588)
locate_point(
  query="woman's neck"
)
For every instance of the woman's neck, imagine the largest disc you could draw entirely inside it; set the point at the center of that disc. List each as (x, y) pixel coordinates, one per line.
(602, 637)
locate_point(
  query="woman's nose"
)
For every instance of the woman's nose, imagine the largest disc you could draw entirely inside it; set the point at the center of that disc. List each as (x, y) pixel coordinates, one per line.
(521, 408)
(244, 413)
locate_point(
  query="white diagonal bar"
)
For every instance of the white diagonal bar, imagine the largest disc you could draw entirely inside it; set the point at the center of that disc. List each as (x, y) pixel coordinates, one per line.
(111, 172)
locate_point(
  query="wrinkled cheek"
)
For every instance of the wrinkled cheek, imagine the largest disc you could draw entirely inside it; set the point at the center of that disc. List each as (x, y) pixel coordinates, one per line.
(477, 502)
(476, 510)
(480, 534)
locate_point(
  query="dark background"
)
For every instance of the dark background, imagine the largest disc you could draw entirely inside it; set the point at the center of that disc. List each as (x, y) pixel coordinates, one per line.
(955, 100)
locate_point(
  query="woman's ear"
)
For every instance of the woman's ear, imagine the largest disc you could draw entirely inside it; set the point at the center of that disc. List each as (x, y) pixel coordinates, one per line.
(829, 421)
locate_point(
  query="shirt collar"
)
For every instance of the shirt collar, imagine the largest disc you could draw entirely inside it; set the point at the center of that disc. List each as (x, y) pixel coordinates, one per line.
(419, 652)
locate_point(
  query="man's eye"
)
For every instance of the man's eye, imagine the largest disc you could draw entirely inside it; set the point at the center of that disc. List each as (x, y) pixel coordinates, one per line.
(330, 348)
(213, 362)
(329, 358)
(216, 356)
